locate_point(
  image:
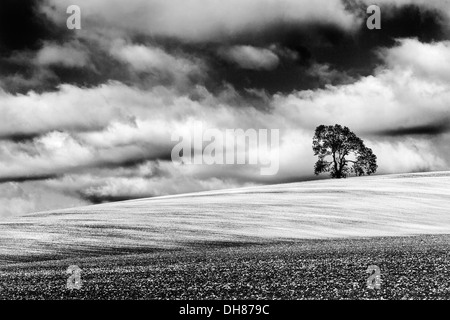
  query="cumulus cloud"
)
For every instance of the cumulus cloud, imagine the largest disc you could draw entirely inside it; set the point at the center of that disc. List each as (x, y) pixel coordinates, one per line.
(248, 57)
(431, 61)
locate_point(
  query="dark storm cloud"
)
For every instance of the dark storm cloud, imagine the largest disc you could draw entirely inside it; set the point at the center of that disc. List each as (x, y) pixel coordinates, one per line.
(28, 178)
(352, 53)
(349, 53)
(22, 27)
(99, 199)
(26, 32)
(19, 137)
(429, 129)
(23, 31)
(132, 162)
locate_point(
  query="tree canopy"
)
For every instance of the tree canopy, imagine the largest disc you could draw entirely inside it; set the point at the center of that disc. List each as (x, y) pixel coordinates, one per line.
(341, 153)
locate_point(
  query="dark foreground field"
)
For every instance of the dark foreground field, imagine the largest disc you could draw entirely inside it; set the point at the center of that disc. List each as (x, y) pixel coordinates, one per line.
(411, 268)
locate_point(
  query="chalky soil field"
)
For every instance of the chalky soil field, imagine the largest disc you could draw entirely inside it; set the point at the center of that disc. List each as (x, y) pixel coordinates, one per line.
(311, 240)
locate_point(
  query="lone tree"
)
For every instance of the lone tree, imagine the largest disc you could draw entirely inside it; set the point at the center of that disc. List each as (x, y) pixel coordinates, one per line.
(348, 153)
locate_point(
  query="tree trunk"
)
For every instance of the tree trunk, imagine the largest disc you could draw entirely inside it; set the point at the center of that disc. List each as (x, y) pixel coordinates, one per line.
(337, 169)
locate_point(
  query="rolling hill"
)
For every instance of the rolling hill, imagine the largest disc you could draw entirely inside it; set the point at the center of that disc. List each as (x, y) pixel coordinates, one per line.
(378, 206)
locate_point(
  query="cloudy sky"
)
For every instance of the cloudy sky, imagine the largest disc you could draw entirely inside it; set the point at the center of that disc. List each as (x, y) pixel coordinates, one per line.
(87, 115)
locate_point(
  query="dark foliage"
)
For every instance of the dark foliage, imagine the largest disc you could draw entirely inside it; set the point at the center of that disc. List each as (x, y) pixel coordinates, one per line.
(347, 153)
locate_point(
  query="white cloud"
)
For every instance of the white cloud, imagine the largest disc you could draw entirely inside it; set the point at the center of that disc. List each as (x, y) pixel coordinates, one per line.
(328, 75)
(68, 55)
(154, 60)
(430, 61)
(147, 180)
(198, 20)
(28, 197)
(69, 108)
(248, 57)
(409, 155)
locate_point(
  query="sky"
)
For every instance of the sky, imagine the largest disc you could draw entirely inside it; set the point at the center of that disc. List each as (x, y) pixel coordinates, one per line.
(87, 115)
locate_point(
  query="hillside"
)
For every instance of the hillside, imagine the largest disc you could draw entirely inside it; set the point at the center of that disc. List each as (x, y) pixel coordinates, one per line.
(394, 205)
